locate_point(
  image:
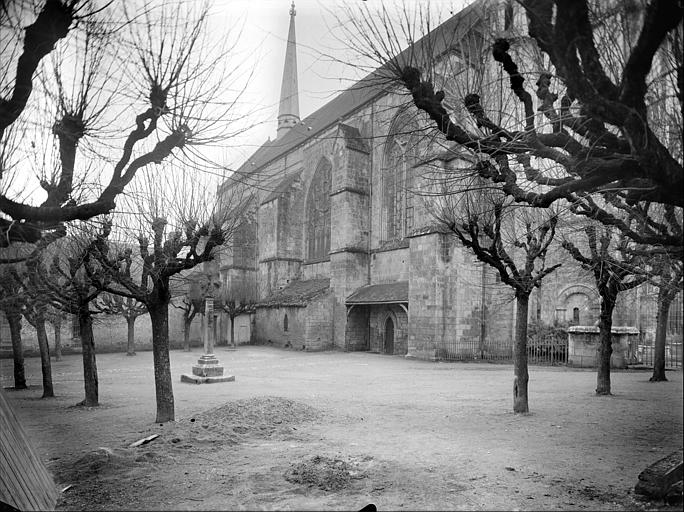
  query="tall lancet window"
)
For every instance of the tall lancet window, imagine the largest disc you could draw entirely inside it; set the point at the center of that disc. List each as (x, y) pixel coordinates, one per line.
(318, 212)
(401, 154)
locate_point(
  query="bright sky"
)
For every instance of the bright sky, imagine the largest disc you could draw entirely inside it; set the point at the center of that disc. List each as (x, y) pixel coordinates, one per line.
(264, 39)
(264, 35)
(261, 47)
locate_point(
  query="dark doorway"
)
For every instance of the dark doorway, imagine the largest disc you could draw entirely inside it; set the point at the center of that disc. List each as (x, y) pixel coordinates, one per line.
(389, 336)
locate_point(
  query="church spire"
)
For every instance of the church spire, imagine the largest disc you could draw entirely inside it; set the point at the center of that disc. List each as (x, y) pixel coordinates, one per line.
(288, 113)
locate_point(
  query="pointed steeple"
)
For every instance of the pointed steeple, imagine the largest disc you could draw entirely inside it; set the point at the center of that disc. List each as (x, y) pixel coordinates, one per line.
(288, 113)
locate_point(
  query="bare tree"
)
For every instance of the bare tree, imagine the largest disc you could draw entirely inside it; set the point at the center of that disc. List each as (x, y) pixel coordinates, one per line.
(163, 254)
(615, 270)
(603, 136)
(236, 300)
(155, 60)
(667, 275)
(64, 275)
(128, 308)
(35, 312)
(190, 309)
(54, 317)
(512, 241)
(11, 305)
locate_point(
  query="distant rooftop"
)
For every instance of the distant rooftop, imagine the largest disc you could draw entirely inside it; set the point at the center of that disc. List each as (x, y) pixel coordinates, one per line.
(296, 294)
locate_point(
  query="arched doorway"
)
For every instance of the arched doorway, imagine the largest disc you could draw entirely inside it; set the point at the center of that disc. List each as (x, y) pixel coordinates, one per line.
(389, 336)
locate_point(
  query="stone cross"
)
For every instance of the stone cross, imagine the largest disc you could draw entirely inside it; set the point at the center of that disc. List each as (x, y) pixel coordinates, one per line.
(208, 326)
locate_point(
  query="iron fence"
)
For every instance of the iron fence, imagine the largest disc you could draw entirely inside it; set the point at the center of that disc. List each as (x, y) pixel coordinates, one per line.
(475, 350)
(645, 354)
(542, 351)
(547, 351)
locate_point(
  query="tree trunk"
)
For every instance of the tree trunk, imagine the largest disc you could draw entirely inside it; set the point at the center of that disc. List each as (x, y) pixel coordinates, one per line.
(521, 379)
(232, 332)
(57, 328)
(186, 334)
(46, 368)
(131, 335)
(85, 323)
(605, 344)
(159, 314)
(664, 301)
(14, 321)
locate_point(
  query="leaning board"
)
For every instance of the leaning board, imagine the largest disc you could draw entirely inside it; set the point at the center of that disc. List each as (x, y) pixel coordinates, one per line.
(25, 483)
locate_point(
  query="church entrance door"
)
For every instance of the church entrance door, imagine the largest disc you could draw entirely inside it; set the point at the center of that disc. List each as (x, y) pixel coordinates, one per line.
(389, 336)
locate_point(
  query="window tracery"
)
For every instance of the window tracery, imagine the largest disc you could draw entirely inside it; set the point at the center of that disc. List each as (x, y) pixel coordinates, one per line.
(318, 212)
(401, 154)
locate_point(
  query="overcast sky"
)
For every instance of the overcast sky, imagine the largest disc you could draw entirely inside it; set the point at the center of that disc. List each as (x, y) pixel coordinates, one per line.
(265, 25)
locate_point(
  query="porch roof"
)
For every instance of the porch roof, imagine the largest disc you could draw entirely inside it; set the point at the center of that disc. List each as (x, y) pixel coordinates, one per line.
(391, 293)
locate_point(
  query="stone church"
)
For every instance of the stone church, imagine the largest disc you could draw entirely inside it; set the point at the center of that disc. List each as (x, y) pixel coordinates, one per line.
(339, 249)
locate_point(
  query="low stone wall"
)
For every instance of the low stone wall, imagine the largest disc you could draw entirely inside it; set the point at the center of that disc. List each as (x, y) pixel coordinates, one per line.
(583, 345)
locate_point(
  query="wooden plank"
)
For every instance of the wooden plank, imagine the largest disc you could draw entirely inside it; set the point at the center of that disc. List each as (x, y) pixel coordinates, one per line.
(25, 483)
(13, 490)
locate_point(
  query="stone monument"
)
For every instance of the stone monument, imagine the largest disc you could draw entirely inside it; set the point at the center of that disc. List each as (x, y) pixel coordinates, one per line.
(207, 370)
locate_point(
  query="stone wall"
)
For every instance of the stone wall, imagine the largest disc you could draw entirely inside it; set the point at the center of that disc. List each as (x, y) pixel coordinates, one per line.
(270, 326)
(318, 324)
(308, 328)
(389, 266)
(377, 320)
(110, 334)
(349, 205)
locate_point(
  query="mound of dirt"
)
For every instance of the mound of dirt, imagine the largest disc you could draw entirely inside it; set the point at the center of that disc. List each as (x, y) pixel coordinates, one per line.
(325, 473)
(104, 463)
(268, 410)
(100, 461)
(233, 423)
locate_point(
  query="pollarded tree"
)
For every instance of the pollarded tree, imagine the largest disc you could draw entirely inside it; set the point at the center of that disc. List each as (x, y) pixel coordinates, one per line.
(604, 68)
(126, 307)
(35, 311)
(512, 240)
(190, 309)
(162, 259)
(11, 305)
(163, 255)
(667, 275)
(236, 300)
(152, 59)
(54, 317)
(68, 284)
(604, 252)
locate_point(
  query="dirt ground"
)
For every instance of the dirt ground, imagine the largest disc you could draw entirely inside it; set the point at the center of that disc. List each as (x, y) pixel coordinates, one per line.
(333, 430)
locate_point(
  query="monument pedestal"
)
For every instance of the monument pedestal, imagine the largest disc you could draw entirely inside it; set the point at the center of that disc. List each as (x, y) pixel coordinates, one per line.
(207, 371)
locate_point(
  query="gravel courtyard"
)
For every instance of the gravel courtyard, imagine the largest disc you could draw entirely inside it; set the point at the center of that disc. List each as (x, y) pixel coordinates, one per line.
(334, 430)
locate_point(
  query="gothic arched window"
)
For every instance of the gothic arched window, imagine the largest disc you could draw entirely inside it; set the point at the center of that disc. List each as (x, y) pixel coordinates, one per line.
(318, 212)
(401, 153)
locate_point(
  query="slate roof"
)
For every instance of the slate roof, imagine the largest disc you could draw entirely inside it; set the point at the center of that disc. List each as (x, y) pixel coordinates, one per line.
(296, 294)
(391, 293)
(376, 84)
(328, 115)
